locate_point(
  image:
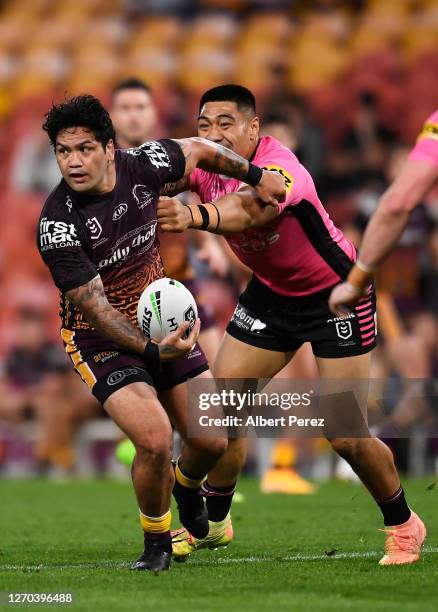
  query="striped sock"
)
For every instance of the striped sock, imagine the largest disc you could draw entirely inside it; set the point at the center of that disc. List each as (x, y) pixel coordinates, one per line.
(218, 500)
(185, 481)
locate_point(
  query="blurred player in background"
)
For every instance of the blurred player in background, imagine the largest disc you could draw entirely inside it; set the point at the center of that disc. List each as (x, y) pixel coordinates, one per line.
(418, 177)
(284, 306)
(97, 236)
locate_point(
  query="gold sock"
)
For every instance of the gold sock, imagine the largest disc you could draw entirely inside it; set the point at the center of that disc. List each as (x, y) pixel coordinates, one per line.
(184, 481)
(156, 524)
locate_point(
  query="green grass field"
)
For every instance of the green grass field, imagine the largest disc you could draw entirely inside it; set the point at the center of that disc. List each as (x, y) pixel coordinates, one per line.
(290, 553)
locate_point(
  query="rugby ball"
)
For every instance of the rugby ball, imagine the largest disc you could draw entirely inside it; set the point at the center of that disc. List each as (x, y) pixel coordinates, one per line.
(163, 306)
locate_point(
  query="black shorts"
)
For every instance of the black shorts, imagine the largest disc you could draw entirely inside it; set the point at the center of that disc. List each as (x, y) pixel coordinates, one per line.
(275, 322)
(105, 368)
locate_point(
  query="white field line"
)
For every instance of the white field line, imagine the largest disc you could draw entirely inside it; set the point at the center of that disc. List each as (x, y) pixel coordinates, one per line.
(210, 561)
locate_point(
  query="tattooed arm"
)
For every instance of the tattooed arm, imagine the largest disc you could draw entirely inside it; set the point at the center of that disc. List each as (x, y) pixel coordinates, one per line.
(171, 189)
(91, 300)
(210, 156)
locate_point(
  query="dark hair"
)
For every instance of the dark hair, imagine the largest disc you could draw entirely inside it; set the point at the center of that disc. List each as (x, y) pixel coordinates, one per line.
(230, 93)
(276, 117)
(132, 83)
(82, 111)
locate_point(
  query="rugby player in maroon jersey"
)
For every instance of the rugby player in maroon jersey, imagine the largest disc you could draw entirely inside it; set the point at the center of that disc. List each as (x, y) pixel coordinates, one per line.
(97, 234)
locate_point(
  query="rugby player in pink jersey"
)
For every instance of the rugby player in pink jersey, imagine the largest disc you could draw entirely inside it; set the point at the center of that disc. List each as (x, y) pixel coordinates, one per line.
(297, 256)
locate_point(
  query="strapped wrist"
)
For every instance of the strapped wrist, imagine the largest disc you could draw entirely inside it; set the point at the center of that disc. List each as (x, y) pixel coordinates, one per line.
(358, 278)
(205, 216)
(254, 175)
(151, 355)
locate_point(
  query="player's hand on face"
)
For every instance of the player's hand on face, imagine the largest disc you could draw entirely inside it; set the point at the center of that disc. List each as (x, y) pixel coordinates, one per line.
(172, 215)
(343, 299)
(272, 188)
(174, 345)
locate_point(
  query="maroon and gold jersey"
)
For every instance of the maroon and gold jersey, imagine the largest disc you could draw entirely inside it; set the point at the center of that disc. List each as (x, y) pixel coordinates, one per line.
(114, 235)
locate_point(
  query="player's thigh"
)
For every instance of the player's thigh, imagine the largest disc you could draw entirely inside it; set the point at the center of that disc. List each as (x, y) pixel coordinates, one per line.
(343, 395)
(236, 359)
(136, 410)
(209, 340)
(176, 403)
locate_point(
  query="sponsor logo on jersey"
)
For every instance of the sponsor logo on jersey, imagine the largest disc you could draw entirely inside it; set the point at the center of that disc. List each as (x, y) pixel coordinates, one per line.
(118, 255)
(143, 196)
(430, 130)
(69, 203)
(288, 179)
(120, 210)
(94, 227)
(57, 235)
(156, 153)
(104, 356)
(244, 320)
(351, 315)
(250, 242)
(116, 377)
(144, 239)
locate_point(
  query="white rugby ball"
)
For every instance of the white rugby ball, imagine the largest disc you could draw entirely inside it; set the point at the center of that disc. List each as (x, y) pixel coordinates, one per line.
(163, 306)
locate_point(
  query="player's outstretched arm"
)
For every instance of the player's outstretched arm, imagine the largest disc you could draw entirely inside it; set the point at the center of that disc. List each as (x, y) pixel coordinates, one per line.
(210, 156)
(384, 230)
(234, 212)
(112, 324)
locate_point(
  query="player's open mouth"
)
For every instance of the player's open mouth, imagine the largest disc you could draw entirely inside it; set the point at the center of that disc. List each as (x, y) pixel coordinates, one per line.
(78, 177)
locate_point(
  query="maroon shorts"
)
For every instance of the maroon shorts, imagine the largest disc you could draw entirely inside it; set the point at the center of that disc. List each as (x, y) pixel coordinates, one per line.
(105, 368)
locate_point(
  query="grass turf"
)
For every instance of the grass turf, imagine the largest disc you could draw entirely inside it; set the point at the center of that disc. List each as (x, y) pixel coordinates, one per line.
(80, 537)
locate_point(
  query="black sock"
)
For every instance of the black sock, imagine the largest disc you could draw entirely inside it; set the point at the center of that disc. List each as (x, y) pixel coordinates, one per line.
(395, 510)
(218, 500)
(164, 540)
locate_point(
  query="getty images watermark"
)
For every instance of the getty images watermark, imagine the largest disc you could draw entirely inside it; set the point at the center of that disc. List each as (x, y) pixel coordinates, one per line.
(303, 408)
(241, 401)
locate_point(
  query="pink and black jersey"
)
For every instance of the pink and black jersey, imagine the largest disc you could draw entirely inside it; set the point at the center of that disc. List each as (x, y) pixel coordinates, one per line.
(299, 253)
(426, 147)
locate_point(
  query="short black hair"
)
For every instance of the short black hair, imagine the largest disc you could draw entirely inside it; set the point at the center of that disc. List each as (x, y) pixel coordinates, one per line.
(276, 117)
(81, 111)
(242, 96)
(132, 83)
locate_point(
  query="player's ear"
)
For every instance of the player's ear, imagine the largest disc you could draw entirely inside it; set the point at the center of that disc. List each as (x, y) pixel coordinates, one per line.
(110, 150)
(254, 128)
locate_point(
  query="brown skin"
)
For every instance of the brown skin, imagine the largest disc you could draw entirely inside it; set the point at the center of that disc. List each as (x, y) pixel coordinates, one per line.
(134, 116)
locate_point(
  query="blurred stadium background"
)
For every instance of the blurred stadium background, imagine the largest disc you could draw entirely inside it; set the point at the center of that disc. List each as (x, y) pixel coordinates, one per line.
(355, 80)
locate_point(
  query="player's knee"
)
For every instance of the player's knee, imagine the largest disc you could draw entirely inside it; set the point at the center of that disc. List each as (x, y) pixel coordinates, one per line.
(213, 448)
(154, 449)
(345, 447)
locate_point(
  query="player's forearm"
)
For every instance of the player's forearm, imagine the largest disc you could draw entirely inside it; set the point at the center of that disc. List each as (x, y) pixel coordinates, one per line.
(210, 156)
(381, 236)
(91, 300)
